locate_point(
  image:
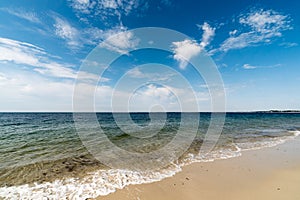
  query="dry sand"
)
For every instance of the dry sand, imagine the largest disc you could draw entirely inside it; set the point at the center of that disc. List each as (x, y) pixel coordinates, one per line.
(269, 173)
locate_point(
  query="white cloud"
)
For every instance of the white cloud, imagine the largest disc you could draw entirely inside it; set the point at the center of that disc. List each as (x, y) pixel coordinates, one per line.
(289, 44)
(247, 66)
(208, 34)
(170, 98)
(115, 39)
(94, 35)
(162, 75)
(152, 95)
(55, 70)
(157, 92)
(29, 16)
(76, 38)
(102, 9)
(232, 33)
(26, 91)
(83, 1)
(27, 54)
(266, 21)
(185, 50)
(64, 30)
(264, 25)
(23, 90)
(112, 4)
(19, 52)
(241, 41)
(120, 6)
(136, 73)
(83, 6)
(121, 42)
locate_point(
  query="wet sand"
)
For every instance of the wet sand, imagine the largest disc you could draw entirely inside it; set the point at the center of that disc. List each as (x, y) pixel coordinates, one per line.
(269, 173)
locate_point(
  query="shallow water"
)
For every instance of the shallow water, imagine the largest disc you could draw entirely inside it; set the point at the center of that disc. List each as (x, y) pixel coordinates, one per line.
(42, 155)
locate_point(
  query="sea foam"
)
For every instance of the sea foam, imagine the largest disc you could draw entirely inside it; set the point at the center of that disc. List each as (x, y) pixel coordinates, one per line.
(104, 182)
(98, 183)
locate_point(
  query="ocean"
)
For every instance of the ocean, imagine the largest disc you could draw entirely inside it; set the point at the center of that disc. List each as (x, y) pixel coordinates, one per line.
(43, 155)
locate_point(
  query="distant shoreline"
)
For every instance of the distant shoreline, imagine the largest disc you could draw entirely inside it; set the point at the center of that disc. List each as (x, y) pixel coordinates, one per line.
(70, 112)
(279, 111)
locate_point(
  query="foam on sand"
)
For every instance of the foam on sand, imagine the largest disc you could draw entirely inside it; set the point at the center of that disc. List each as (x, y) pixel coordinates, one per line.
(98, 183)
(104, 182)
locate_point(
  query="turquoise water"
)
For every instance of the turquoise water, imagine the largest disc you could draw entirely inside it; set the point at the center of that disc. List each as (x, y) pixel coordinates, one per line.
(41, 152)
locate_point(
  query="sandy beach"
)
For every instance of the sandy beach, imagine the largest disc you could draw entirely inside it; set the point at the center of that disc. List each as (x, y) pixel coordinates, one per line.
(268, 173)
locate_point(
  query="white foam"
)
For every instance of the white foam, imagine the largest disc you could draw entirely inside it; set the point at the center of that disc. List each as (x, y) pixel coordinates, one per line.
(104, 182)
(99, 183)
(219, 154)
(296, 133)
(271, 142)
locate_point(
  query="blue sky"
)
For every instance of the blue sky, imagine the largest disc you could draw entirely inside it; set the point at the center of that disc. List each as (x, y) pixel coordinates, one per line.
(255, 46)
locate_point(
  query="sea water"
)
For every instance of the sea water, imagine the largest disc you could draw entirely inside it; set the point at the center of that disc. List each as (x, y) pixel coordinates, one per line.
(42, 154)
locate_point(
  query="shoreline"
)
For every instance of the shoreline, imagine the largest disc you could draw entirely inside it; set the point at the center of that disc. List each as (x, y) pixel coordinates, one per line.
(268, 173)
(225, 176)
(50, 161)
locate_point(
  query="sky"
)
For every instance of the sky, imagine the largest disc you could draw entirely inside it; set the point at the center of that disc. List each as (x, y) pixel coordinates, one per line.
(44, 44)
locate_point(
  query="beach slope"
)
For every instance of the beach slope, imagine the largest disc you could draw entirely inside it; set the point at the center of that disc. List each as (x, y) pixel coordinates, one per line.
(268, 173)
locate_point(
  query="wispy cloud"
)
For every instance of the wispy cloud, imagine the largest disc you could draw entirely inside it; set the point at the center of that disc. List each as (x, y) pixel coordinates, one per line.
(264, 25)
(266, 21)
(66, 31)
(208, 34)
(27, 15)
(232, 33)
(115, 38)
(248, 66)
(103, 9)
(27, 54)
(120, 6)
(83, 6)
(62, 28)
(121, 42)
(138, 73)
(185, 50)
(19, 52)
(289, 44)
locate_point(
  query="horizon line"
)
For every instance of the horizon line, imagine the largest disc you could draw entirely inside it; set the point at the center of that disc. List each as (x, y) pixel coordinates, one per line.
(270, 111)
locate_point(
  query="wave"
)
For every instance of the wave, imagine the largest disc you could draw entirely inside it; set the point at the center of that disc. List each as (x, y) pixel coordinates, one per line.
(269, 142)
(103, 182)
(98, 183)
